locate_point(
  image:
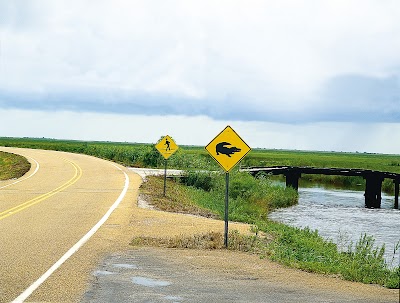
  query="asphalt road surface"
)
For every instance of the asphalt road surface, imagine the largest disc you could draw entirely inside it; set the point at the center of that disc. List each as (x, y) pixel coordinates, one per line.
(44, 214)
(62, 201)
(179, 276)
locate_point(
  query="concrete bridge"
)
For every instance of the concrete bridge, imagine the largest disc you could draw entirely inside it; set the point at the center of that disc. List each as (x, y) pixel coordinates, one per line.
(373, 187)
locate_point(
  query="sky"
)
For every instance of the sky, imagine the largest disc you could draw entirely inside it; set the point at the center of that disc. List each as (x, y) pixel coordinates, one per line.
(300, 74)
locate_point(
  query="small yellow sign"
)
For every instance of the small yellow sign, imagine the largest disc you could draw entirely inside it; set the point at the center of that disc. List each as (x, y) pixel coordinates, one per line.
(227, 148)
(166, 146)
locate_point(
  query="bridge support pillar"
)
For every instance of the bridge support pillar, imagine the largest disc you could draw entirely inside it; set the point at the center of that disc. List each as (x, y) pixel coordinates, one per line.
(373, 191)
(292, 179)
(396, 194)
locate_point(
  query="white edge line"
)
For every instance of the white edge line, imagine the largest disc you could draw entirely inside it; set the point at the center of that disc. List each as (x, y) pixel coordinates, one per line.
(36, 170)
(22, 297)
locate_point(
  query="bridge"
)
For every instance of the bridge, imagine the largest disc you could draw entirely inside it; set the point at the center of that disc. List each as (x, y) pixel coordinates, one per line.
(373, 186)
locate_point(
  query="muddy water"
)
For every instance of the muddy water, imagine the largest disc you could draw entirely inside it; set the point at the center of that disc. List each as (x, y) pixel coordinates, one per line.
(340, 215)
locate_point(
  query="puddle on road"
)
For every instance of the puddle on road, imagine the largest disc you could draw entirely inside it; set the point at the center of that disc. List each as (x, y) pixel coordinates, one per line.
(126, 266)
(103, 273)
(149, 282)
(172, 298)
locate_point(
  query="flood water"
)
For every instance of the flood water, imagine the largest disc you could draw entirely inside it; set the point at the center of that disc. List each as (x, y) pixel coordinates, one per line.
(340, 215)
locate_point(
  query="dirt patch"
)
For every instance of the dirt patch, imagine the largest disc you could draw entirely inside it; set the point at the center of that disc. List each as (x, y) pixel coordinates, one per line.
(176, 200)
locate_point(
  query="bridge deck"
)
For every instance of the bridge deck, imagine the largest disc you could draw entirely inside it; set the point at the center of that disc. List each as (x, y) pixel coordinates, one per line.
(373, 179)
(278, 170)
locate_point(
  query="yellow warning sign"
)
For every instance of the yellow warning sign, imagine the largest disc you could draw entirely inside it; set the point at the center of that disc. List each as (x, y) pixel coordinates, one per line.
(166, 146)
(227, 148)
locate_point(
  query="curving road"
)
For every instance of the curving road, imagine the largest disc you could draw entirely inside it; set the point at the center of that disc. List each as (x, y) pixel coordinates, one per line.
(62, 200)
(67, 200)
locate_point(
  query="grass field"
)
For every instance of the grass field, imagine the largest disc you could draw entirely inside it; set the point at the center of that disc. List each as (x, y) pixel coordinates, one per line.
(12, 166)
(195, 157)
(138, 154)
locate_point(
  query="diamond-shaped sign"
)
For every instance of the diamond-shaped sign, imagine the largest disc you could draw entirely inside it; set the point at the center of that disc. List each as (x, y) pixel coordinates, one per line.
(227, 148)
(166, 146)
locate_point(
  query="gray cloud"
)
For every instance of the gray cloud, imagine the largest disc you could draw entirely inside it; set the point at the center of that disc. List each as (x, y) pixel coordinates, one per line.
(281, 61)
(349, 98)
(362, 98)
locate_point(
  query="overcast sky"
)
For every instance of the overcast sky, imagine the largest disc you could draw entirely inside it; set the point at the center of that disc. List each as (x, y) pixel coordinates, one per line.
(295, 74)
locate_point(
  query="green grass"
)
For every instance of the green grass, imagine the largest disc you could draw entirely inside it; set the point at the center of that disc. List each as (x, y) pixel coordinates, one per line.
(195, 157)
(13, 166)
(306, 250)
(250, 201)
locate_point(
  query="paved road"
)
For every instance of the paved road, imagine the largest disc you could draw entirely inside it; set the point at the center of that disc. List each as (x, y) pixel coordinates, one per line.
(46, 213)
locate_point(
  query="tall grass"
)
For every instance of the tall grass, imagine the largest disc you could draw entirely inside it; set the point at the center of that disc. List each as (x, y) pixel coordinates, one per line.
(198, 158)
(305, 249)
(251, 199)
(195, 157)
(128, 154)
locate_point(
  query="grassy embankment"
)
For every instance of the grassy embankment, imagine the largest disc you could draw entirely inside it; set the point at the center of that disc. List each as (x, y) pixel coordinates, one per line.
(250, 202)
(12, 166)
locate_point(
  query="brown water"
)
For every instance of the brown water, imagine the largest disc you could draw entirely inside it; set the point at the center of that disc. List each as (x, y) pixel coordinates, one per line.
(341, 216)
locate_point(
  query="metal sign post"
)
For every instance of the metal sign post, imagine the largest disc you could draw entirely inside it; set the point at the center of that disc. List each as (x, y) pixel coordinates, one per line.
(227, 148)
(226, 209)
(165, 176)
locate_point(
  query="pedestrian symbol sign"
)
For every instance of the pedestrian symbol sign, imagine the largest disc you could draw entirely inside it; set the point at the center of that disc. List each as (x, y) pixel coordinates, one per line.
(227, 148)
(166, 146)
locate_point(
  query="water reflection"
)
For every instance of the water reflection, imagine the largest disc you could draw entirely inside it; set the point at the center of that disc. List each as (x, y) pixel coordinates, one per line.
(340, 215)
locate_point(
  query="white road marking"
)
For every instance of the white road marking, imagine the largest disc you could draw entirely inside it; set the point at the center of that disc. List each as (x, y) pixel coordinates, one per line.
(22, 297)
(23, 179)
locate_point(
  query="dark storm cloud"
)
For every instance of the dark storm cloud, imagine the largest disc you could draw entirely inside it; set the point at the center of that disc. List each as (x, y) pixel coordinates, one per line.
(349, 98)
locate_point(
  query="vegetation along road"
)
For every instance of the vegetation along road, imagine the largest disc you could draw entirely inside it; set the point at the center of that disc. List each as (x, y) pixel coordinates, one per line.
(64, 196)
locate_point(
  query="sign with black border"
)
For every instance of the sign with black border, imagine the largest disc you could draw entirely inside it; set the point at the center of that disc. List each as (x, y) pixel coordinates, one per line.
(167, 147)
(228, 148)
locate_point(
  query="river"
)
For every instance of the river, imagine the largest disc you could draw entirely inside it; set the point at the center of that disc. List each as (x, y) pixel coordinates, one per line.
(340, 215)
